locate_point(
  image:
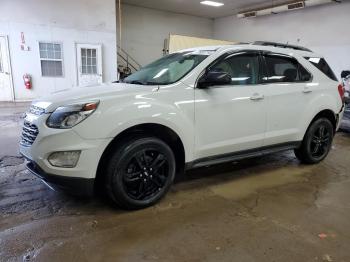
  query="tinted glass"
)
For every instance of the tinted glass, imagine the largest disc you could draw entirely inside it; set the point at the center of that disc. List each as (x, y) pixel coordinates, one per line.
(322, 65)
(304, 75)
(285, 69)
(243, 69)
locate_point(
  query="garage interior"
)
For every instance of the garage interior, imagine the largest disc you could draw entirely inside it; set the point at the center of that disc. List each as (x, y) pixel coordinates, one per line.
(270, 208)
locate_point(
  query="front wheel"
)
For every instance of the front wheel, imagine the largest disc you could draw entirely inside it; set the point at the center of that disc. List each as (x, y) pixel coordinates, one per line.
(140, 172)
(317, 142)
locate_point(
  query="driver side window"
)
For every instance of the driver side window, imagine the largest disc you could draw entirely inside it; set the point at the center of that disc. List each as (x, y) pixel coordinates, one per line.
(243, 69)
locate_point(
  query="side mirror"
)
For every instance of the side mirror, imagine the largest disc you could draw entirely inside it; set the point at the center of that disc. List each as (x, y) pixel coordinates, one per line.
(213, 78)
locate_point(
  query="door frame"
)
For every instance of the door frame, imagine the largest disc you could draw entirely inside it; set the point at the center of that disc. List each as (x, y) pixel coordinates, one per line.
(13, 98)
(77, 62)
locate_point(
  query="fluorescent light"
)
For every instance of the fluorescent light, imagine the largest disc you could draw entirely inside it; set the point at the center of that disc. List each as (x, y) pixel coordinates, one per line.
(212, 3)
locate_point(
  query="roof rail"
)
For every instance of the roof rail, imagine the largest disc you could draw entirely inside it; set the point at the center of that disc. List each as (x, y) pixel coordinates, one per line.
(265, 43)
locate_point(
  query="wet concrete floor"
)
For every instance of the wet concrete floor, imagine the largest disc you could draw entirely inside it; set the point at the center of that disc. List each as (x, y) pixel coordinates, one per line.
(262, 209)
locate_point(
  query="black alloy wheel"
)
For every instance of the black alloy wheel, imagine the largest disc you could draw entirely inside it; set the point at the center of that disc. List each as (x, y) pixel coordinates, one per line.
(320, 141)
(140, 172)
(317, 142)
(146, 174)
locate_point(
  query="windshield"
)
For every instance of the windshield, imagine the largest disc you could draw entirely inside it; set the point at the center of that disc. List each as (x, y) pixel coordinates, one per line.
(168, 69)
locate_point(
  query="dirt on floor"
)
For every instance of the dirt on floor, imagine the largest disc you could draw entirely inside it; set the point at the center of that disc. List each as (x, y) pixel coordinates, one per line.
(263, 209)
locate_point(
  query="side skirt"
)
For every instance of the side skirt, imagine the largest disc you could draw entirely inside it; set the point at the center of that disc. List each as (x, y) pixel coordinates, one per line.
(218, 159)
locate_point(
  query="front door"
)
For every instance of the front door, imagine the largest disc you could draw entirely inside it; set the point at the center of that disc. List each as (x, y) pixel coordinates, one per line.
(6, 92)
(89, 64)
(231, 118)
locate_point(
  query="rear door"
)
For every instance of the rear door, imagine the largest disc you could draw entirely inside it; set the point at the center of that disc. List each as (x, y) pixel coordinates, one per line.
(290, 91)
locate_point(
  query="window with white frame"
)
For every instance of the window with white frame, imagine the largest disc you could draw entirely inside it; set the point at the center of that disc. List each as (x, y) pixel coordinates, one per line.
(88, 61)
(51, 59)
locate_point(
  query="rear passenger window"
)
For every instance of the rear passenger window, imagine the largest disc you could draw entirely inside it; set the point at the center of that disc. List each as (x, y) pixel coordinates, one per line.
(243, 69)
(322, 65)
(285, 69)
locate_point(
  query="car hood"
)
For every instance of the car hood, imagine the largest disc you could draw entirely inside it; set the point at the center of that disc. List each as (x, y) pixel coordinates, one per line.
(90, 93)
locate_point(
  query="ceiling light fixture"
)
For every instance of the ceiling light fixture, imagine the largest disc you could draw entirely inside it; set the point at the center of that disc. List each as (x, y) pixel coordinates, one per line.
(212, 3)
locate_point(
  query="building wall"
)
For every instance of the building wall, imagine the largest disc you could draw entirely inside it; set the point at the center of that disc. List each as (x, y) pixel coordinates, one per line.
(144, 30)
(324, 29)
(65, 21)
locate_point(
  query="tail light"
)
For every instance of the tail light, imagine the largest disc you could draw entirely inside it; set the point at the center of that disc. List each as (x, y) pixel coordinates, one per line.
(341, 91)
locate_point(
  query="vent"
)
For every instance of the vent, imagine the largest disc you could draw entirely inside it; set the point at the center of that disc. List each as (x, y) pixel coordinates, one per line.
(297, 5)
(250, 14)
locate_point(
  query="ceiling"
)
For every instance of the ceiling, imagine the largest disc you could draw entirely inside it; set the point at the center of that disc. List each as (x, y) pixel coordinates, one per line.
(193, 7)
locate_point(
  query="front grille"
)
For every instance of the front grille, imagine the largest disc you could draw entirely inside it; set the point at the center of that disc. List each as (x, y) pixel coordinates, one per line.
(29, 133)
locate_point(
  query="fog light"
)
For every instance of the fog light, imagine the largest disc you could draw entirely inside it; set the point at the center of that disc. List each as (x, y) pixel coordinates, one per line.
(64, 159)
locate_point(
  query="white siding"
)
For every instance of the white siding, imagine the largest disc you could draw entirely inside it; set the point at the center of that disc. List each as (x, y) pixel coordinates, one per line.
(324, 29)
(144, 30)
(65, 21)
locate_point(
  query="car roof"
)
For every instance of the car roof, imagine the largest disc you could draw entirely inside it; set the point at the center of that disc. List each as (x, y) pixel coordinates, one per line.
(282, 50)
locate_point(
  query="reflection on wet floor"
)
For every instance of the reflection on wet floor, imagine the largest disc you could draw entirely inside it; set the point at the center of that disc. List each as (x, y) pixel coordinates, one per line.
(269, 208)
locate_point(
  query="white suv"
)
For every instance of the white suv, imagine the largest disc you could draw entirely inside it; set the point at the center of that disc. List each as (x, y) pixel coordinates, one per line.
(193, 108)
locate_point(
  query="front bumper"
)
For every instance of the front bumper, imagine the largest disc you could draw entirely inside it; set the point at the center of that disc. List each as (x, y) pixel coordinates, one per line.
(73, 185)
(79, 179)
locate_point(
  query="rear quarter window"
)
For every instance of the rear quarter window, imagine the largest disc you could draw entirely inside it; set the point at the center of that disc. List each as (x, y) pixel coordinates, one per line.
(323, 66)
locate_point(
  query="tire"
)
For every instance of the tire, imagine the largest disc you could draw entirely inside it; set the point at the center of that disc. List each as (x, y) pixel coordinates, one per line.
(317, 142)
(140, 172)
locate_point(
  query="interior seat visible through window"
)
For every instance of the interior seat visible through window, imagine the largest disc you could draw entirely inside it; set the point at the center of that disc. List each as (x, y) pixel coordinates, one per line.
(282, 68)
(243, 68)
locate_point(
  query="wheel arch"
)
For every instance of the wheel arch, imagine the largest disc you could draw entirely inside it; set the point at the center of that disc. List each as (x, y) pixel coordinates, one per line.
(166, 134)
(329, 114)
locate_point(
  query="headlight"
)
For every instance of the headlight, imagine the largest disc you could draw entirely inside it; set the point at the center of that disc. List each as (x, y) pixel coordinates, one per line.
(70, 115)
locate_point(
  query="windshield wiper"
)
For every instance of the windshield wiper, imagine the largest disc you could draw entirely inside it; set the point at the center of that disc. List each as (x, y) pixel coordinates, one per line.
(152, 83)
(135, 82)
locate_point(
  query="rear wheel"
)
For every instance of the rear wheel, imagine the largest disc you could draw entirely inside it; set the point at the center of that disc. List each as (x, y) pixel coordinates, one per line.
(140, 172)
(317, 142)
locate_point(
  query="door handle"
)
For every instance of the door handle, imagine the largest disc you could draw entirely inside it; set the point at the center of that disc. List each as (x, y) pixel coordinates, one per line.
(257, 97)
(307, 90)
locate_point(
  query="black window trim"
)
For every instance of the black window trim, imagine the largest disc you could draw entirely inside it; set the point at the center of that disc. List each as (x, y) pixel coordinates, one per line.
(264, 53)
(332, 77)
(235, 53)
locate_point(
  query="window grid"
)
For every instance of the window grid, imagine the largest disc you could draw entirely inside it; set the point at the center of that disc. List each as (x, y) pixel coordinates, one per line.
(88, 61)
(51, 59)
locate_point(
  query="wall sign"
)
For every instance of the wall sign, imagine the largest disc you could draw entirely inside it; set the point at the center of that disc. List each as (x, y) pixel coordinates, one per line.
(24, 47)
